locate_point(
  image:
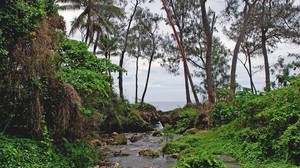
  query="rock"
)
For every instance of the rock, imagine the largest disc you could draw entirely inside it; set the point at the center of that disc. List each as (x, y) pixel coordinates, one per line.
(157, 133)
(111, 124)
(120, 153)
(175, 155)
(148, 152)
(97, 142)
(114, 133)
(135, 138)
(119, 139)
(117, 165)
(165, 117)
(151, 117)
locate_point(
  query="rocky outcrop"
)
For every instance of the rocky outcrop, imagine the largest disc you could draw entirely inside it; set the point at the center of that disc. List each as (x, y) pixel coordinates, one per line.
(152, 117)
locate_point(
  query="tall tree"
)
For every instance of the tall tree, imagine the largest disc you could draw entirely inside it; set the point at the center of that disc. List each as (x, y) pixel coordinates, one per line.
(180, 12)
(208, 65)
(181, 49)
(144, 42)
(250, 47)
(271, 22)
(276, 21)
(232, 8)
(95, 19)
(136, 3)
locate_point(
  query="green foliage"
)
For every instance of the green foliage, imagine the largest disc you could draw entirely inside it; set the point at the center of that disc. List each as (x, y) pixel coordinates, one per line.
(183, 119)
(175, 147)
(134, 122)
(80, 153)
(83, 69)
(258, 130)
(201, 160)
(223, 113)
(21, 152)
(273, 119)
(18, 18)
(143, 107)
(89, 75)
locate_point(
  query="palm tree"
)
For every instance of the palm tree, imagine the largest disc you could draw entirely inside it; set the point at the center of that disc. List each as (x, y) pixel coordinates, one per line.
(95, 18)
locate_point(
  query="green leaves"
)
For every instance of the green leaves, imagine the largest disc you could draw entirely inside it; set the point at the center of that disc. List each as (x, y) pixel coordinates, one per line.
(82, 69)
(18, 18)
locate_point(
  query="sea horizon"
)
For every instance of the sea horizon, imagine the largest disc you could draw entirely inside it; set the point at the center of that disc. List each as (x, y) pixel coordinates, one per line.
(167, 105)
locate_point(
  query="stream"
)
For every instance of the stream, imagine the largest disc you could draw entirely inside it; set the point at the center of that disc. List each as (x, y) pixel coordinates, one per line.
(128, 155)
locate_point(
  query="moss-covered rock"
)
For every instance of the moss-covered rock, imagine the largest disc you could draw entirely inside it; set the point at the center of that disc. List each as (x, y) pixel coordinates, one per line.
(157, 133)
(135, 123)
(120, 139)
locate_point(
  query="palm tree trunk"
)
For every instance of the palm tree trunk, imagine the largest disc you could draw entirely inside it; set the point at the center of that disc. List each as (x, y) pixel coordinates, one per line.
(96, 42)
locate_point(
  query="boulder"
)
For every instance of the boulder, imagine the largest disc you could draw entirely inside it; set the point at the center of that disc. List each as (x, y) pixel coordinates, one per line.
(148, 152)
(151, 117)
(119, 139)
(135, 138)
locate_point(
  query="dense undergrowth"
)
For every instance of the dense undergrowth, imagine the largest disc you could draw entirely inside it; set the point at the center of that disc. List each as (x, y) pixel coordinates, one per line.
(258, 130)
(24, 152)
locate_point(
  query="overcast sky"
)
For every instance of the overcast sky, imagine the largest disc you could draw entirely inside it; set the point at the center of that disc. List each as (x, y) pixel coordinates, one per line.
(165, 87)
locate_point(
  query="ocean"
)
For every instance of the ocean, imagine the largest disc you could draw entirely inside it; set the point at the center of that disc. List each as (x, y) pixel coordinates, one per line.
(167, 106)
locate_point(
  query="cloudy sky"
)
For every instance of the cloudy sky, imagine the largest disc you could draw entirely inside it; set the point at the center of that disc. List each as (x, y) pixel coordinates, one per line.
(165, 87)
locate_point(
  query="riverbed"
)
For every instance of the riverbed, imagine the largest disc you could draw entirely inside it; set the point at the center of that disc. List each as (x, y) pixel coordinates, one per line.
(128, 155)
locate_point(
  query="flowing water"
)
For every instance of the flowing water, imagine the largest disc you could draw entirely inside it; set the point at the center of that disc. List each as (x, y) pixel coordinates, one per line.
(130, 153)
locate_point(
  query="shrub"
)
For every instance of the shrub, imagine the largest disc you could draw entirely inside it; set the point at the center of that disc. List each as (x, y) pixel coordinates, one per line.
(223, 113)
(80, 153)
(175, 147)
(22, 152)
(201, 160)
(183, 119)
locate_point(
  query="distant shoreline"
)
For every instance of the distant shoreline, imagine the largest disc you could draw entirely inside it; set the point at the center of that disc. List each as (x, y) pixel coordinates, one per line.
(167, 106)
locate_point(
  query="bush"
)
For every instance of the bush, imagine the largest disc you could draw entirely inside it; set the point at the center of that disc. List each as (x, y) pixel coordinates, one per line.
(272, 121)
(81, 154)
(22, 152)
(174, 147)
(201, 160)
(223, 113)
(183, 119)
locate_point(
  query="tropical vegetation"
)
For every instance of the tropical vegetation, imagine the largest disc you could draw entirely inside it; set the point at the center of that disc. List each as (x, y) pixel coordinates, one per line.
(58, 95)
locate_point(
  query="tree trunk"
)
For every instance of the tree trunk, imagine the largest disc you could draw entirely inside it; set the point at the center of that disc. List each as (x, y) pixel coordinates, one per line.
(253, 89)
(182, 53)
(96, 42)
(247, 14)
(149, 67)
(185, 71)
(208, 66)
(266, 61)
(147, 80)
(121, 62)
(136, 79)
